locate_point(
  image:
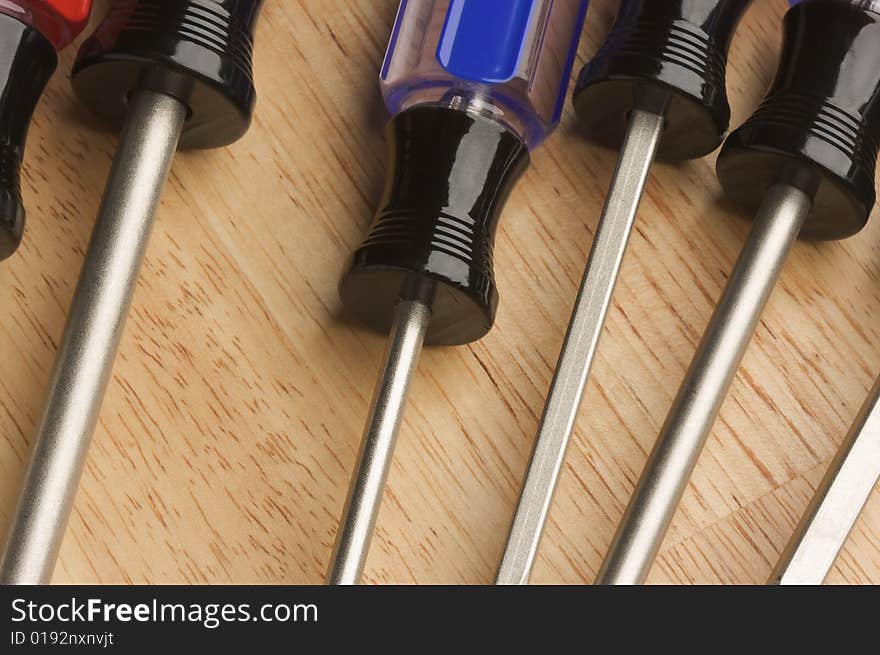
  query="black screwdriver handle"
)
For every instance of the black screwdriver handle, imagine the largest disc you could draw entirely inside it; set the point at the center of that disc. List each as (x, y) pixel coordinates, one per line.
(27, 63)
(449, 176)
(199, 51)
(664, 56)
(821, 116)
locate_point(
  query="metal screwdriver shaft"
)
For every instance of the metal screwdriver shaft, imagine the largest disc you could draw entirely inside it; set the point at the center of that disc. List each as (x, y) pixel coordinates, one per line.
(425, 271)
(91, 336)
(806, 160)
(411, 321)
(579, 347)
(837, 503)
(172, 73)
(672, 112)
(705, 385)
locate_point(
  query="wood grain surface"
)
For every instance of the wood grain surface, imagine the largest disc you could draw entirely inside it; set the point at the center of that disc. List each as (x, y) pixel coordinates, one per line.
(231, 424)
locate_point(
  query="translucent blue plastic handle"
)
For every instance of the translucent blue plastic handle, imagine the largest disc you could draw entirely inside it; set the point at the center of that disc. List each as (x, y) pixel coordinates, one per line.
(507, 59)
(485, 41)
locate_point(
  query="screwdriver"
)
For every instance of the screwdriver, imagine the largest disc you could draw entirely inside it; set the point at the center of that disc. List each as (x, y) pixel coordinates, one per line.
(805, 162)
(656, 88)
(173, 72)
(31, 33)
(472, 86)
(836, 505)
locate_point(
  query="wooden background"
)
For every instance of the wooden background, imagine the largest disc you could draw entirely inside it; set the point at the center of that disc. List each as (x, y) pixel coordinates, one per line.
(232, 421)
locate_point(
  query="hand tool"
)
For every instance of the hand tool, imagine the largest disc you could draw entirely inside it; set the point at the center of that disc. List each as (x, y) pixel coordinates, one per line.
(805, 161)
(30, 34)
(472, 86)
(837, 503)
(655, 88)
(173, 72)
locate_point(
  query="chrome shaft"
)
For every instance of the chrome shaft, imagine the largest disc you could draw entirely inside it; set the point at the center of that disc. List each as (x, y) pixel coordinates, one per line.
(705, 385)
(377, 445)
(91, 337)
(579, 347)
(838, 501)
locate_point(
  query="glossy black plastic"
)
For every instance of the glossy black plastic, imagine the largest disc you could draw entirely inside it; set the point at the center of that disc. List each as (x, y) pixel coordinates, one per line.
(199, 51)
(674, 46)
(822, 113)
(27, 63)
(449, 176)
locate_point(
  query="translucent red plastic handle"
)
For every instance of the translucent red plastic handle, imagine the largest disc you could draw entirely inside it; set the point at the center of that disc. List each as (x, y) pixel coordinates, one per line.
(60, 21)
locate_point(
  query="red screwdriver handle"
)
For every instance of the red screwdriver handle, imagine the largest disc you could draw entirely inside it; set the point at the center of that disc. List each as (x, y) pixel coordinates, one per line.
(60, 21)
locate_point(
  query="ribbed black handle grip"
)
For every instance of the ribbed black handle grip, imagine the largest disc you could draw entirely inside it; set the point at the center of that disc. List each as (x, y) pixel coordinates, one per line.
(26, 65)
(199, 51)
(677, 46)
(449, 176)
(822, 113)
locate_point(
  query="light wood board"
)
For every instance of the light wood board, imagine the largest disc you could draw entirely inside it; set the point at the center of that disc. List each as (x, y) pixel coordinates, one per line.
(232, 421)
